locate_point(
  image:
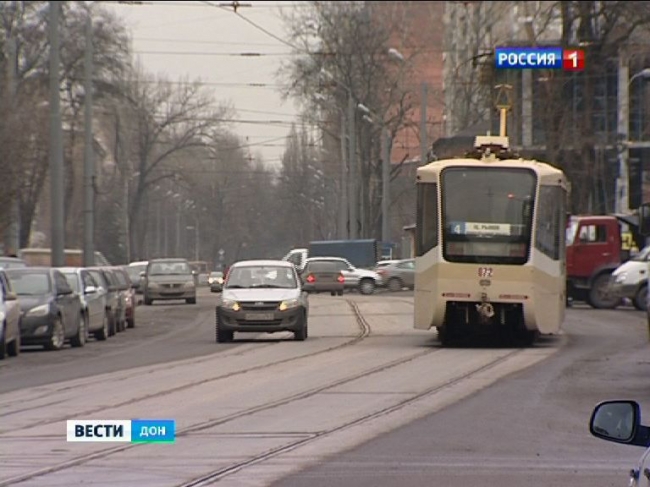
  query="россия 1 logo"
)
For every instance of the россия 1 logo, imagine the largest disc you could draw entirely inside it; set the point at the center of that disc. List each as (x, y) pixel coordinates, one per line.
(539, 58)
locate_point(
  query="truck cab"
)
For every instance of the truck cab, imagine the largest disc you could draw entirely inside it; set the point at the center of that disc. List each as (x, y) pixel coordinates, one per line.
(596, 246)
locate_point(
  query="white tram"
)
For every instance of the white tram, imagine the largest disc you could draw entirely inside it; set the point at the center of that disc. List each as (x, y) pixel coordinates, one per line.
(490, 245)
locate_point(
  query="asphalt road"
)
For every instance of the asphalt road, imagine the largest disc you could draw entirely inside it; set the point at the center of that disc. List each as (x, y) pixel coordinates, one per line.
(530, 429)
(164, 332)
(366, 400)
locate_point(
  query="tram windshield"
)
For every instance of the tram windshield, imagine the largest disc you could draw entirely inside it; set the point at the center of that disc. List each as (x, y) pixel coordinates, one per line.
(487, 214)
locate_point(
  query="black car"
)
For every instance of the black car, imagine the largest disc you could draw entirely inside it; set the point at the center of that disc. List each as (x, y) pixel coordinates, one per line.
(52, 311)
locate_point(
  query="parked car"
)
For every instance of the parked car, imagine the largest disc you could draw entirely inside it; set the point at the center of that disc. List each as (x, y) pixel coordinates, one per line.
(262, 296)
(630, 279)
(10, 316)
(167, 279)
(215, 279)
(128, 295)
(384, 263)
(93, 300)
(135, 269)
(51, 309)
(113, 299)
(398, 275)
(12, 263)
(363, 280)
(323, 276)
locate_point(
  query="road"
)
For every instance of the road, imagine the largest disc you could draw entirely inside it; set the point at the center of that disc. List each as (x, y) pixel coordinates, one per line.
(255, 412)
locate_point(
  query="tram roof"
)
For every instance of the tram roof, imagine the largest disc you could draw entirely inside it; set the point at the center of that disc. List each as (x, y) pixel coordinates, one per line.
(544, 170)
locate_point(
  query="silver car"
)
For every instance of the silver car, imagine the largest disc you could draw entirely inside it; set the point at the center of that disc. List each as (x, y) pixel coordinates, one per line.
(10, 315)
(93, 300)
(398, 275)
(168, 279)
(262, 296)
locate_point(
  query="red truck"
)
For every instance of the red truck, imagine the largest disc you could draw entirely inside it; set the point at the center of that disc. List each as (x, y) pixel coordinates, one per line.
(595, 246)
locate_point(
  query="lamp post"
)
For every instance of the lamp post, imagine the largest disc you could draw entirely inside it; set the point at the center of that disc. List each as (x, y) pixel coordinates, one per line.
(385, 171)
(352, 166)
(622, 203)
(89, 165)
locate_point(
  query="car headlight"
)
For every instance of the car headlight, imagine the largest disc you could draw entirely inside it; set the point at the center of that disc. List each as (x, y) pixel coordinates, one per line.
(289, 304)
(230, 304)
(621, 277)
(41, 310)
(152, 284)
(210, 280)
(189, 284)
(220, 280)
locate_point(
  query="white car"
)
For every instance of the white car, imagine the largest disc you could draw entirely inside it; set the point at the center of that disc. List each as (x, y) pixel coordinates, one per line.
(630, 279)
(364, 280)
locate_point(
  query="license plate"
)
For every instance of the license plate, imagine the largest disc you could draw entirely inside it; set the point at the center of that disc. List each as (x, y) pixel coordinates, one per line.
(259, 317)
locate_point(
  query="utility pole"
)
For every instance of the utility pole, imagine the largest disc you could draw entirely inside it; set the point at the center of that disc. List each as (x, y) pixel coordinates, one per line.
(424, 138)
(57, 209)
(12, 75)
(622, 182)
(385, 183)
(352, 146)
(343, 202)
(89, 166)
(527, 108)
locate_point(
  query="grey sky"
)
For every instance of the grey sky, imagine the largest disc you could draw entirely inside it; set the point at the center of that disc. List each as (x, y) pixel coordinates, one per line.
(181, 40)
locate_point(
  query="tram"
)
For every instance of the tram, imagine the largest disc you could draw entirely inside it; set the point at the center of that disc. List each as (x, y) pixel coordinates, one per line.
(490, 245)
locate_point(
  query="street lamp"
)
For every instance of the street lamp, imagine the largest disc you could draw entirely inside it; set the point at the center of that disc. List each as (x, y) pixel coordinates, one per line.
(624, 83)
(89, 165)
(385, 171)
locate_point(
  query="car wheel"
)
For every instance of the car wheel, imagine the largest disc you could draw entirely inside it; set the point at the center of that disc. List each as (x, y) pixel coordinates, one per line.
(103, 332)
(600, 296)
(131, 321)
(148, 301)
(367, 286)
(302, 334)
(79, 340)
(395, 284)
(58, 336)
(13, 349)
(190, 300)
(3, 344)
(640, 299)
(222, 336)
(111, 323)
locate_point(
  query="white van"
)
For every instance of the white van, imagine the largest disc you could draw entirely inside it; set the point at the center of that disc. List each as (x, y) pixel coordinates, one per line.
(630, 279)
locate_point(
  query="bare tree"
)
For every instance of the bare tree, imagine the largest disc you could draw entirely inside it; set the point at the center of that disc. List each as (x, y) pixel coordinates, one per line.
(165, 120)
(343, 51)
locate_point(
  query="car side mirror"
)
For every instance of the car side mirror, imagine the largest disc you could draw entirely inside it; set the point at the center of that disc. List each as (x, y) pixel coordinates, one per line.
(143, 274)
(11, 297)
(90, 290)
(616, 421)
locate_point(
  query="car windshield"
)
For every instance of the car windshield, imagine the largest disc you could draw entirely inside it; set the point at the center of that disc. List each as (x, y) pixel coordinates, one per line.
(12, 264)
(216, 274)
(134, 271)
(169, 268)
(246, 277)
(642, 256)
(72, 280)
(30, 284)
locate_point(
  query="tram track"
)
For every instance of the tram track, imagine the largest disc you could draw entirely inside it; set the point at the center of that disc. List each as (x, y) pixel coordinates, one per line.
(363, 332)
(218, 474)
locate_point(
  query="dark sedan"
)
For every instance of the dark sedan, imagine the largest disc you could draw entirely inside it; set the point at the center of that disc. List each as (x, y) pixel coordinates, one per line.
(52, 311)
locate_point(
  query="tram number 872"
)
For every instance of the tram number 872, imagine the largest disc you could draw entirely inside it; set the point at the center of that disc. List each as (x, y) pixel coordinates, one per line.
(485, 272)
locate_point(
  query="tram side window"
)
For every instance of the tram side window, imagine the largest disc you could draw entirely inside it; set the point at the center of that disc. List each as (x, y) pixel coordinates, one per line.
(426, 232)
(550, 226)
